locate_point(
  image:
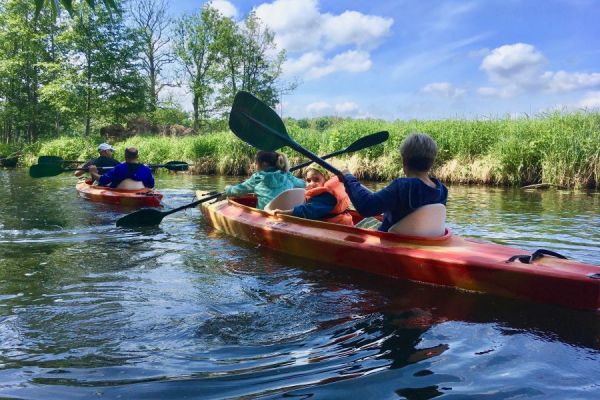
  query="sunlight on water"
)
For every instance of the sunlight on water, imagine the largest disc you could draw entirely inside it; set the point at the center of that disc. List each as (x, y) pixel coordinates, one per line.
(89, 310)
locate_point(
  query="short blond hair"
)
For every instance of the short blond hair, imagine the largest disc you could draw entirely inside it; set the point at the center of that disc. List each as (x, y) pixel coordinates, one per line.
(418, 151)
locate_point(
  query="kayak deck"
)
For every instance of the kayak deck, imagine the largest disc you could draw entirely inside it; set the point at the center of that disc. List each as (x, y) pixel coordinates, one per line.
(138, 197)
(449, 260)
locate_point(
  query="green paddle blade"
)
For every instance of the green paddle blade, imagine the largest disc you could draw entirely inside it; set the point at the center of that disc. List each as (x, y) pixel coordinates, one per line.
(56, 160)
(177, 166)
(247, 108)
(45, 170)
(50, 160)
(368, 141)
(143, 217)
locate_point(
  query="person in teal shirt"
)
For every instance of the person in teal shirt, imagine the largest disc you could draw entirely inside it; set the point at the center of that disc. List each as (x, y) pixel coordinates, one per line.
(272, 177)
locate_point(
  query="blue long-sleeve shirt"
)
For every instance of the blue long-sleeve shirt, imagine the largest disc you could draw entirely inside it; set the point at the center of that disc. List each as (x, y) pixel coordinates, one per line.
(395, 201)
(318, 207)
(137, 172)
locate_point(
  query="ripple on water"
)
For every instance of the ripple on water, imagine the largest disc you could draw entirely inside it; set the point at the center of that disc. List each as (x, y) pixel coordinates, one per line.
(88, 310)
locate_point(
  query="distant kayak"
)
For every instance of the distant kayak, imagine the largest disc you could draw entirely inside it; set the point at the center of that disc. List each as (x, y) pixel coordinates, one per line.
(448, 260)
(137, 197)
(9, 162)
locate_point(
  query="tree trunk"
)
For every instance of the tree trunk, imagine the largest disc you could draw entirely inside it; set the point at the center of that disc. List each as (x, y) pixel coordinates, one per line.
(196, 113)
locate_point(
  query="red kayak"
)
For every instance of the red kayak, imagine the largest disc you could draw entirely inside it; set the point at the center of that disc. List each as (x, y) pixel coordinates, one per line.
(448, 260)
(133, 198)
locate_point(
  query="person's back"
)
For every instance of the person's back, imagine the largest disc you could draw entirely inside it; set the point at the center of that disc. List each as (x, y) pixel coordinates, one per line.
(130, 169)
(403, 195)
(271, 179)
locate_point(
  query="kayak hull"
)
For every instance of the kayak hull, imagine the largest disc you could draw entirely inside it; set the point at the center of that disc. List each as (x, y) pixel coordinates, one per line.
(122, 197)
(450, 260)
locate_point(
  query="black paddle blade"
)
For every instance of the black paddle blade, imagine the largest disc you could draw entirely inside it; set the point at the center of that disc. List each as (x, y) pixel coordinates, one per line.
(143, 217)
(177, 166)
(45, 170)
(50, 160)
(368, 141)
(247, 108)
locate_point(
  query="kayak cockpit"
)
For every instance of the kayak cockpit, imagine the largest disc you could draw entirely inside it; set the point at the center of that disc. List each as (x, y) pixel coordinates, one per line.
(249, 202)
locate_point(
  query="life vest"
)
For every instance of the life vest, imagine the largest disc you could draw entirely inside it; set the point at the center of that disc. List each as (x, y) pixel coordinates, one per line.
(340, 214)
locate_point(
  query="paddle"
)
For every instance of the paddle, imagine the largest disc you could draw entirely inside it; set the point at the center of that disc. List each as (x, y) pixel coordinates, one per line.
(259, 125)
(52, 169)
(56, 160)
(152, 216)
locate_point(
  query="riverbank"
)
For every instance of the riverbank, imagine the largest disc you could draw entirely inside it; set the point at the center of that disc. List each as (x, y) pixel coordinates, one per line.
(557, 149)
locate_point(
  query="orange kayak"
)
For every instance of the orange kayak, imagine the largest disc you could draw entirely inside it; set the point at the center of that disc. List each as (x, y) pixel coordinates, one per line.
(449, 260)
(133, 198)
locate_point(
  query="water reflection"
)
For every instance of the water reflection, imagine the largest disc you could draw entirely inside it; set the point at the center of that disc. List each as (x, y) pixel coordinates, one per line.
(89, 310)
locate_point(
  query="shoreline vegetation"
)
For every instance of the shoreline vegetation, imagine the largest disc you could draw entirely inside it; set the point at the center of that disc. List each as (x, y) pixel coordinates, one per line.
(556, 149)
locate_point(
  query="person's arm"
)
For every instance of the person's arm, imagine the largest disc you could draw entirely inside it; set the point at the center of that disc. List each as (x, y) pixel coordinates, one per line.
(318, 207)
(86, 165)
(241, 188)
(369, 203)
(148, 179)
(105, 179)
(297, 182)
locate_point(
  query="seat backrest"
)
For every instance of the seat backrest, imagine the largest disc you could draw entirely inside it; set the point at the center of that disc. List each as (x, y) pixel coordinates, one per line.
(426, 221)
(286, 200)
(130, 184)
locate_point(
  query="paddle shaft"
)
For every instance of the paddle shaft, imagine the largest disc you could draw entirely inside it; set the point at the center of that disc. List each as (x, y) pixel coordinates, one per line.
(214, 196)
(290, 143)
(103, 168)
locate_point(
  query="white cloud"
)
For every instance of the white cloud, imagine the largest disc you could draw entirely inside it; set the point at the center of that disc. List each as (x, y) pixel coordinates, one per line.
(322, 108)
(300, 27)
(562, 81)
(518, 67)
(225, 7)
(296, 23)
(346, 108)
(354, 28)
(590, 101)
(314, 65)
(443, 89)
(515, 63)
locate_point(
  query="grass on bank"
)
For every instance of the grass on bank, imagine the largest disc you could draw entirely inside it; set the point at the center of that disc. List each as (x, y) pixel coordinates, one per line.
(561, 149)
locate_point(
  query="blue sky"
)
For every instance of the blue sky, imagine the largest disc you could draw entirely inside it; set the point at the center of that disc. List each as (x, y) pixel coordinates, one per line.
(404, 59)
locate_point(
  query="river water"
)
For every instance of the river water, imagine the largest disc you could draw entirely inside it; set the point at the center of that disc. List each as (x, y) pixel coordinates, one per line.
(88, 310)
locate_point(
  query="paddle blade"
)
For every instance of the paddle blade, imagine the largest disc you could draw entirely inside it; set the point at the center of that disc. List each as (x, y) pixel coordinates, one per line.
(50, 160)
(248, 114)
(368, 141)
(143, 217)
(45, 170)
(177, 166)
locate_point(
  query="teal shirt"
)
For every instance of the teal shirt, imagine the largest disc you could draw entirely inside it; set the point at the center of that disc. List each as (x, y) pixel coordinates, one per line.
(266, 185)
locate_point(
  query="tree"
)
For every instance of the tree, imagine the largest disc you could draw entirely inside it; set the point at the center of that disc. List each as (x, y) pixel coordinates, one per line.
(248, 61)
(23, 51)
(196, 37)
(102, 71)
(54, 5)
(152, 25)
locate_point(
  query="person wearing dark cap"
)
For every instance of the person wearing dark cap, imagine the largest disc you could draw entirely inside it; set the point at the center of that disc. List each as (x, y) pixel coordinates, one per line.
(122, 175)
(105, 160)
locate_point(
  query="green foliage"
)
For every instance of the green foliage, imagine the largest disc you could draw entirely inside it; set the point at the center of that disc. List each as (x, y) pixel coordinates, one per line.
(559, 149)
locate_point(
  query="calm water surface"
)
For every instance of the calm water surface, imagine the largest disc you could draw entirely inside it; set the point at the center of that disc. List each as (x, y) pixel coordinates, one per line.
(181, 311)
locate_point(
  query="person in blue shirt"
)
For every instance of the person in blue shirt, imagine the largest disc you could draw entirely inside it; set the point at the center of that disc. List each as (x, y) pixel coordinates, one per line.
(130, 169)
(403, 195)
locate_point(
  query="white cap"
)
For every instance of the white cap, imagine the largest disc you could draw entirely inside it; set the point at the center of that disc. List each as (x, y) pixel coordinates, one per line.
(105, 146)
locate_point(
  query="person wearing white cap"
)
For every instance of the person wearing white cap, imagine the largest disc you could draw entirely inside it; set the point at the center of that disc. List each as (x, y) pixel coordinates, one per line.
(105, 160)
